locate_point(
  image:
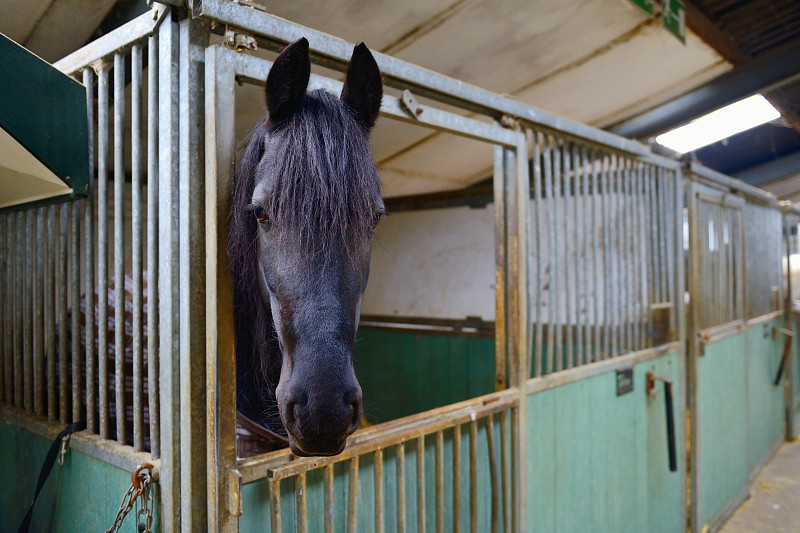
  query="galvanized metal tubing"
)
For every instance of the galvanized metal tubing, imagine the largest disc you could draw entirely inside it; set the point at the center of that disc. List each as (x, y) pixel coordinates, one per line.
(485, 463)
(602, 251)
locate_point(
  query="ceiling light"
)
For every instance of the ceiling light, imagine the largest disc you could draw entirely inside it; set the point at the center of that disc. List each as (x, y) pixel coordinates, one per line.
(721, 124)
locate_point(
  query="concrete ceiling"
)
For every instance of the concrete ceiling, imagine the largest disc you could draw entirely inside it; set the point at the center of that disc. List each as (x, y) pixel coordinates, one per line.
(593, 61)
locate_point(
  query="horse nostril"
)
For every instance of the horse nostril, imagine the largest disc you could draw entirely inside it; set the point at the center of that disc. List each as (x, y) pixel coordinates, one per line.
(352, 400)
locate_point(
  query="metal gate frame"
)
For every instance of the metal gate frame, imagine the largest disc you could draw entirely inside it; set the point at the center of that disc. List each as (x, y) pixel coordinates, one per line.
(704, 184)
(193, 167)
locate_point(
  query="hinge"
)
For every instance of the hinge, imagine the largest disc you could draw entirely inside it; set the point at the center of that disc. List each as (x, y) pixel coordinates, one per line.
(510, 123)
(235, 492)
(239, 40)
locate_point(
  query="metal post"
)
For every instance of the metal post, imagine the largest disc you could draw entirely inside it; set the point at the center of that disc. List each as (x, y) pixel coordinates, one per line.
(168, 286)
(136, 242)
(191, 280)
(89, 244)
(119, 244)
(102, 248)
(220, 357)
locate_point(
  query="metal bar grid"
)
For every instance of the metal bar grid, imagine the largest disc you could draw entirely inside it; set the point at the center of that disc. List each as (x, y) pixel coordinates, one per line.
(485, 464)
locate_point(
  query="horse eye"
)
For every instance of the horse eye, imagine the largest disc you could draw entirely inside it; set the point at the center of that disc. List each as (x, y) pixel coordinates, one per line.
(260, 215)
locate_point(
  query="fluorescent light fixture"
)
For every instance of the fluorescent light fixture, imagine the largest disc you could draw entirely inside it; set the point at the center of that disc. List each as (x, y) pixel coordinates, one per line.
(721, 124)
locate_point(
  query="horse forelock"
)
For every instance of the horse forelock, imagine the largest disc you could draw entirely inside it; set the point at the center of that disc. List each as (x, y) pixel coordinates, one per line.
(323, 186)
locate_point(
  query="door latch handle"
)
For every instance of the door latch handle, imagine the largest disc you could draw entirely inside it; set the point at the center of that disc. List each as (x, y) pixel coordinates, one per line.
(786, 347)
(650, 387)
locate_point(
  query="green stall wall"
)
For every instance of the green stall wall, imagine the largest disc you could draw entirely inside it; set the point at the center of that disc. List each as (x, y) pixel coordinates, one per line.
(740, 414)
(404, 373)
(82, 495)
(598, 462)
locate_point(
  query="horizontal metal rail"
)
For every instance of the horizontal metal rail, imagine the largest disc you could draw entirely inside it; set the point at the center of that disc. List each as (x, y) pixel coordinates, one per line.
(717, 178)
(404, 75)
(103, 48)
(281, 464)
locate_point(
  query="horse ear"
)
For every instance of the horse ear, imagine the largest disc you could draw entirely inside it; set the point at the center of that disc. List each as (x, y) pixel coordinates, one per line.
(363, 88)
(287, 80)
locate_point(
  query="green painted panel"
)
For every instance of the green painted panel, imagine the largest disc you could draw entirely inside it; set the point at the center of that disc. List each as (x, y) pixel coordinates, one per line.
(255, 497)
(45, 111)
(722, 461)
(403, 373)
(598, 462)
(766, 411)
(82, 495)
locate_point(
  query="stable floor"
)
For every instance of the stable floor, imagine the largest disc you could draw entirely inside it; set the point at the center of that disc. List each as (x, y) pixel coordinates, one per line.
(774, 503)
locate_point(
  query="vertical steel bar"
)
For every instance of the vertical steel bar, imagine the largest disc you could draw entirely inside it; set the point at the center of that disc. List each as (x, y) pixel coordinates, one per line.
(168, 291)
(190, 281)
(669, 239)
(401, 487)
(505, 474)
(500, 266)
(558, 206)
(642, 310)
(657, 233)
(608, 250)
(580, 255)
(568, 216)
(552, 292)
(616, 258)
(662, 234)
(650, 238)
(19, 317)
(89, 243)
(38, 327)
(473, 476)
(8, 311)
(328, 481)
(596, 200)
(457, 478)
(75, 300)
(119, 244)
(627, 258)
(276, 525)
(28, 307)
(301, 502)
(102, 248)
(421, 484)
(489, 421)
(352, 497)
(6, 303)
(152, 246)
(377, 482)
(540, 235)
(4, 297)
(136, 244)
(588, 258)
(439, 484)
(63, 371)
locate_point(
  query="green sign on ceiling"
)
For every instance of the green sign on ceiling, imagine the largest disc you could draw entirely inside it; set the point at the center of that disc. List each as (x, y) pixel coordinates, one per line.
(675, 18)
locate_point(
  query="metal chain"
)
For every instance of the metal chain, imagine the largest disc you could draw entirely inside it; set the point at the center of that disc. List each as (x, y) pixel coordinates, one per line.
(140, 486)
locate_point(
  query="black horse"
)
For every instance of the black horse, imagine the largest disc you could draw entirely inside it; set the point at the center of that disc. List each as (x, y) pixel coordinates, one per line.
(306, 201)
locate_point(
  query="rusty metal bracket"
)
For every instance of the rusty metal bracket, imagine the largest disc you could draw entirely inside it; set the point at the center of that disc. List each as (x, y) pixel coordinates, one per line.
(235, 492)
(510, 123)
(239, 40)
(410, 104)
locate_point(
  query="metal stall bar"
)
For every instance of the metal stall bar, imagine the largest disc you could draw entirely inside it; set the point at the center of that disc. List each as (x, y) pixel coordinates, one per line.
(88, 231)
(597, 263)
(567, 210)
(27, 305)
(37, 247)
(400, 479)
(61, 304)
(537, 250)
(552, 294)
(191, 272)
(102, 248)
(136, 243)
(420, 453)
(119, 244)
(168, 281)
(580, 254)
(18, 309)
(377, 485)
(8, 311)
(220, 140)
(75, 300)
(457, 478)
(152, 246)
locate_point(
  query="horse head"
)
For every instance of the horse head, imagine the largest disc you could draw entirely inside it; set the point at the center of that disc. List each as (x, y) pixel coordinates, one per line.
(306, 203)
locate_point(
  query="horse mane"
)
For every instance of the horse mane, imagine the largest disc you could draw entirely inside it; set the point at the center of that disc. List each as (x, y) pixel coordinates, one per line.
(324, 190)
